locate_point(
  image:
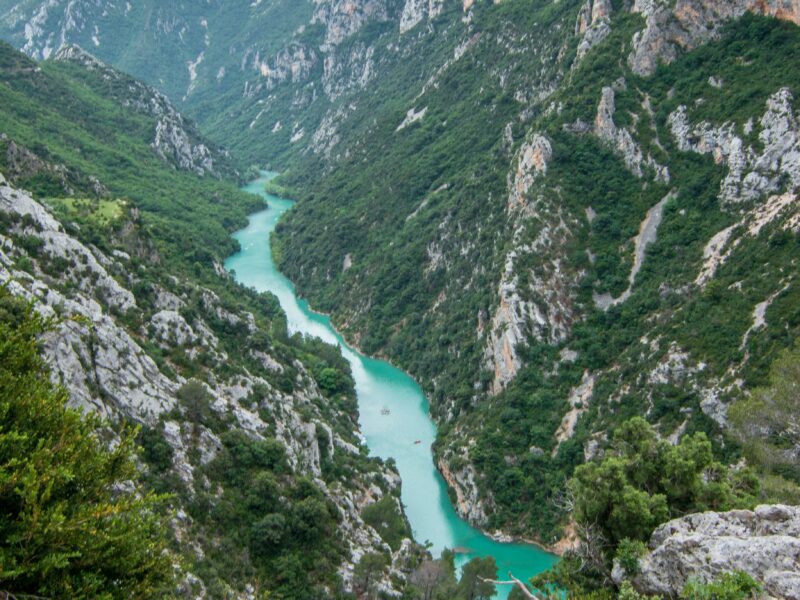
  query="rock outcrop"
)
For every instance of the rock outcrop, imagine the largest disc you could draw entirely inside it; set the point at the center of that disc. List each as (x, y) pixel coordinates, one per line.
(674, 27)
(621, 140)
(175, 140)
(752, 172)
(593, 24)
(765, 543)
(415, 11)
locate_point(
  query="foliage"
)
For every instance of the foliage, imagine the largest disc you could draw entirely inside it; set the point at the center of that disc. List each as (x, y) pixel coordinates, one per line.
(368, 572)
(626, 592)
(256, 520)
(387, 519)
(628, 554)
(423, 214)
(644, 481)
(767, 423)
(473, 584)
(280, 530)
(730, 586)
(434, 579)
(72, 525)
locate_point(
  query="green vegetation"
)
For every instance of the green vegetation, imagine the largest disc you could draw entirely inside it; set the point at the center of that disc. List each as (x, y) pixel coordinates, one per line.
(280, 531)
(385, 517)
(423, 214)
(71, 526)
(436, 579)
(731, 586)
(59, 111)
(642, 482)
(102, 212)
(766, 423)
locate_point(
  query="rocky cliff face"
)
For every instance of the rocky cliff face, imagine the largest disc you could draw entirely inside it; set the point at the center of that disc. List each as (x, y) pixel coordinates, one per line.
(674, 28)
(764, 543)
(106, 368)
(175, 140)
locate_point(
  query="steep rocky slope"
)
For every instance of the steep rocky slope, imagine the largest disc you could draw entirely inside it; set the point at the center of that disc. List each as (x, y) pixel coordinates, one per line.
(562, 230)
(260, 452)
(107, 369)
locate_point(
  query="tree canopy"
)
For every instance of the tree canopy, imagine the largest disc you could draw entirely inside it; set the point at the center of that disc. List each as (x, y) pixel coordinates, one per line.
(72, 524)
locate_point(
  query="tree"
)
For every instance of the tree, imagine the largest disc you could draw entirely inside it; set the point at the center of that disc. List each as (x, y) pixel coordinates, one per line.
(332, 381)
(267, 533)
(768, 422)
(644, 481)
(71, 525)
(432, 576)
(368, 570)
(196, 399)
(473, 584)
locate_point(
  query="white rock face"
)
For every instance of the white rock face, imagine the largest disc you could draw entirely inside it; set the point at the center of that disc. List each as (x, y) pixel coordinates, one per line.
(532, 163)
(764, 543)
(415, 11)
(92, 356)
(105, 369)
(673, 27)
(579, 399)
(174, 141)
(169, 326)
(469, 504)
(648, 232)
(783, 209)
(594, 23)
(621, 140)
(342, 18)
(751, 173)
(543, 309)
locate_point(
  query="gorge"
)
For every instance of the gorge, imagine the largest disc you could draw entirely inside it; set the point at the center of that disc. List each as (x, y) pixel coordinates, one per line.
(569, 231)
(404, 433)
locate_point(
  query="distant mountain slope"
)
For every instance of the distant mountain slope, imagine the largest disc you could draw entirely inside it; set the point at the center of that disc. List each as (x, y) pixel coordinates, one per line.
(570, 223)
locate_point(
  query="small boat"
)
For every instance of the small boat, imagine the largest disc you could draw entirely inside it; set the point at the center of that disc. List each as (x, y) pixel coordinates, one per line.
(385, 411)
(418, 442)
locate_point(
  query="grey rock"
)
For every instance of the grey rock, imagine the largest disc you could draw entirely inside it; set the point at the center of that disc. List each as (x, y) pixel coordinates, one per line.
(674, 27)
(764, 543)
(751, 173)
(621, 140)
(174, 139)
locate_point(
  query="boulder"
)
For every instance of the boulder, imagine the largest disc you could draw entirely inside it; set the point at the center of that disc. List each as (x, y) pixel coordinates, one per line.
(765, 543)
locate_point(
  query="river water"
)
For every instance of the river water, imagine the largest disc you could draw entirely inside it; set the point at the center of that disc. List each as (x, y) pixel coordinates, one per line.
(405, 433)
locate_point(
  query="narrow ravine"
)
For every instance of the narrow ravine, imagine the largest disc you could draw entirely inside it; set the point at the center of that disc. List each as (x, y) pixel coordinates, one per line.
(394, 416)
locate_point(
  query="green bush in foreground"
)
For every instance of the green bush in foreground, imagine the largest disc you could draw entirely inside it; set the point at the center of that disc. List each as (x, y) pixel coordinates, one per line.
(70, 526)
(730, 586)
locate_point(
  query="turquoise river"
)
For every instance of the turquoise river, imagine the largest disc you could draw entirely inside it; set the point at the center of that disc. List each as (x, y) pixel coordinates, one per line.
(379, 385)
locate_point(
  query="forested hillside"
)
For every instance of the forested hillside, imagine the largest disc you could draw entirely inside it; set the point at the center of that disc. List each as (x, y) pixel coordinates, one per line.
(575, 224)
